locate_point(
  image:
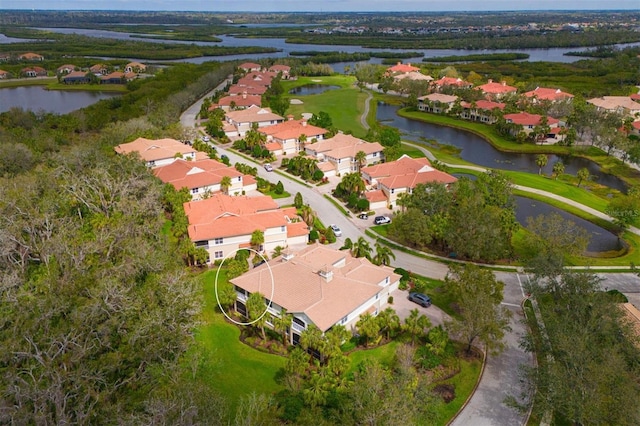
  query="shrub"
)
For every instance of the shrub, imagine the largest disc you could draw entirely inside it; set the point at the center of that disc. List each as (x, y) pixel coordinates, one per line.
(362, 204)
(313, 235)
(279, 188)
(318, 175)
(403, 272)
(390, 300)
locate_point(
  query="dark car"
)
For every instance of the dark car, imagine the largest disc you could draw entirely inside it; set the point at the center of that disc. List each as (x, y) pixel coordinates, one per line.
(420, 299)
(379, 220)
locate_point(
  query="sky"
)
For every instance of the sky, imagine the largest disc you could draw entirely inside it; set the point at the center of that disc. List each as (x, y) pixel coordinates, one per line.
(322, 5)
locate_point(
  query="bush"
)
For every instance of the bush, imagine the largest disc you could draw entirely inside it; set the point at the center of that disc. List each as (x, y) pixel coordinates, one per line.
(313, 235)
(318, 175)
(279, 188)
(403, 272)
(390, 300)
(362, 204)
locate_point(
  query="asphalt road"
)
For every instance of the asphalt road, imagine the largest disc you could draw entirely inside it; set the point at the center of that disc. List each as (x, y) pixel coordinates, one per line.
(501, 375)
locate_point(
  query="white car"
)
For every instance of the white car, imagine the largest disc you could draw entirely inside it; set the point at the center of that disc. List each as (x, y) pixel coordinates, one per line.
(206, 138)
(268, 167)
(336, 231)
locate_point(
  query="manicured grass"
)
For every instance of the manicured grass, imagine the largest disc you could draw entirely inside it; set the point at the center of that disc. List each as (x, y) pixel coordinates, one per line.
(345, 105)
(436, 290)
(18, 82)
(384, 354)
(464, 383)
(337, 204)
(411, 151)
(89, 87)
(275, 196)
(232, 368)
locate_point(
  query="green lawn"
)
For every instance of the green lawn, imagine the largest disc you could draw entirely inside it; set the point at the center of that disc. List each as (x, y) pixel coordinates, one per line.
(464, 383)
(231, 367)
(345, 106)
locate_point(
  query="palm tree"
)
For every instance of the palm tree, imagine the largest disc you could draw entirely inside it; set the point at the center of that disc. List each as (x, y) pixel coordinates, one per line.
(558, 168)
(317, 390)
(282, 324)
(583, 174)
(541, 161)
(308, 215)
(415, 324)
(257, 239)
(225, 184)
(361, 159)
(361, 248)
(383, 255)
(388, 321)
(277, 251)
(312, 338)
(337, 335)
(368, 327)
(256, 308)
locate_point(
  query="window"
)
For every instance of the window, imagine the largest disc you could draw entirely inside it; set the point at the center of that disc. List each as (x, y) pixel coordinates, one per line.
(375, 154)
(344, 320)
(218, 255)
(283, 228)
(194, 190)
(239, 178)
(299, 322)
(218, 241)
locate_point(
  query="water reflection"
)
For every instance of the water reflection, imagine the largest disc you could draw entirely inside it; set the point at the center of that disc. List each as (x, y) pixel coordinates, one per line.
(478, 151)
(37, 98)
(312, 89)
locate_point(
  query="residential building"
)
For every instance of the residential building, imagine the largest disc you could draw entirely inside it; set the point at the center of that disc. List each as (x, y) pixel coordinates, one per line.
(288, 134)
(283, 70)
(401, 68)
(4, 74)
(243, 120)
(65, 69)
(135, 67)
(159, 152)
(252, 90)
(414, 76)
(76, 77)
(250, 66)
(255, 78)
(117, 77)
(457, 83)
(493, 90)
(204, 177)
(547, 94)
(436, 102)
(395, 178)
(319, 286)
(34, 72)
(620, 104)
(222, 224)
(236, 102)
(99, 69)
(30, 56)
(527, 122)
(337, 155)
(481, 110)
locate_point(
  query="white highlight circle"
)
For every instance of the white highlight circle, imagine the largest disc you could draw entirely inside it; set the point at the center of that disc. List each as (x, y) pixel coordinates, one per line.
(215, 287)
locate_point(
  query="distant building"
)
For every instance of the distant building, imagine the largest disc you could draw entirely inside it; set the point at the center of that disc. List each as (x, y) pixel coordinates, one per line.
(337, 155)
(436, 102)
(547, 94)
(159, 152)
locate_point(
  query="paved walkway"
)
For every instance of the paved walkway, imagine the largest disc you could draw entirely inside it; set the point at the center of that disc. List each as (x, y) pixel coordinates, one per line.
(500, 378)
(365, 113)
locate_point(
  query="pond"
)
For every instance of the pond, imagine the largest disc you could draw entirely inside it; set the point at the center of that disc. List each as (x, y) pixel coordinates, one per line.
(478, 151)
(37, 98)
(601, 240)
(312, 89)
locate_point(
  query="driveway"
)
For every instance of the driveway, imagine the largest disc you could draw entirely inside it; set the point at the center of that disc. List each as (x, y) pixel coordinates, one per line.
(404, 306)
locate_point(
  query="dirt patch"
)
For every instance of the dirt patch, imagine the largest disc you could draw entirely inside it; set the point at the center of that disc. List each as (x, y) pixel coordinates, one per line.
(445, 391)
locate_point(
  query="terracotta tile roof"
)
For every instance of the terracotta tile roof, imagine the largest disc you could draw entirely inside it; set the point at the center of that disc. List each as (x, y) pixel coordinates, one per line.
(30, 56)
(484, 105)
(616, 102)
(113, 75)
(204, 210)
(154, 150)
(526, 119)
(497, 88)
(636, 125)
(97, 68)
(256, 78)
(195, 174)
(252, 114)
(297, 229)
(249, 65)
(635, 97)
(285, 69)
(75, 74)
(401, 166)
(375, 196)
(293, 129)
(273, 146)
(238, 89)
(3, 72)
(451, 81)
(438, 97)
(412, 179)
(66, 67)
(243, 100)
(207, 224)
(403, 68)
(325, 166)
(343, 146)
(414, 75)
(300, 288)
(545, 93)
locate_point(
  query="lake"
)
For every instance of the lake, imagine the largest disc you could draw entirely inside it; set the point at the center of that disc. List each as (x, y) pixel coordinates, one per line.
(37, 98)
(312, 89)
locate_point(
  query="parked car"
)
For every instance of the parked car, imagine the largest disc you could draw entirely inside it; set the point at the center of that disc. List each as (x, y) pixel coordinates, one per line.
(420, 299)
(380, 220)
(206, 138)
(336, 231)
(364, 216)
(268, 167)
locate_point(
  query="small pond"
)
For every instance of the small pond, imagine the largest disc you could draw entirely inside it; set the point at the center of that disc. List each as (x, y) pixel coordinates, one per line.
(312, 89)
(37, 98)
(601, 239)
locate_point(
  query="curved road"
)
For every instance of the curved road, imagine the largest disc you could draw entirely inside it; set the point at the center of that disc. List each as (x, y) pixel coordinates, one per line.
(500, 378)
